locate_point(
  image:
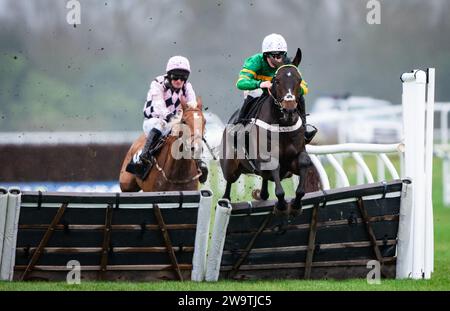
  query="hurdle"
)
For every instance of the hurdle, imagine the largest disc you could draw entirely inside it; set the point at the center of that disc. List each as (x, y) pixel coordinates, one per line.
(112, 236)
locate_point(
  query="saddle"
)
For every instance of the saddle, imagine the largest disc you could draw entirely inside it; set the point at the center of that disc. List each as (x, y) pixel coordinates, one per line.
(250, 109)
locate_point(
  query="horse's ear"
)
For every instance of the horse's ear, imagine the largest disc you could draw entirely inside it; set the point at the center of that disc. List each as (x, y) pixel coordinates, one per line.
(297, 58)
(199, 103)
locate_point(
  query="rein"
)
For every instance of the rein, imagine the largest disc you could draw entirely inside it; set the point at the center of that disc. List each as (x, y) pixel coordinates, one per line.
(275, 100)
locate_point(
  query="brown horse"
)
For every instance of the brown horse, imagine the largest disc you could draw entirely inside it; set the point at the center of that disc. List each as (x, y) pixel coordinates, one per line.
(171, 171)
(283, 112)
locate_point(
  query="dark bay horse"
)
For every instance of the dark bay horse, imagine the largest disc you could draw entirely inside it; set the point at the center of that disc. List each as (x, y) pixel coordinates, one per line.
(171, 171)
(282, 112)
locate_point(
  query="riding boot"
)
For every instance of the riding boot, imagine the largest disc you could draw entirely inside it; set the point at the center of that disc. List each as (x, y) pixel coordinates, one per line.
(310, 132)
(204, 169)
(143, 166)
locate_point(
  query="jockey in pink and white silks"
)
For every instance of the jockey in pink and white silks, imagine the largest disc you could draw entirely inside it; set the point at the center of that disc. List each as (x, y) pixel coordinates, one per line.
(163, 103)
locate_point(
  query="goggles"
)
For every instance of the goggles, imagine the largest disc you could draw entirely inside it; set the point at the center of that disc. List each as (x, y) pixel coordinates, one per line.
(177, 76)
(277, 54)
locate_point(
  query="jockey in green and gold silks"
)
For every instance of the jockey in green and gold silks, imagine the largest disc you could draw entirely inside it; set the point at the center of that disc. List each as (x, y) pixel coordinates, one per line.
(256, 75)
(257, 70)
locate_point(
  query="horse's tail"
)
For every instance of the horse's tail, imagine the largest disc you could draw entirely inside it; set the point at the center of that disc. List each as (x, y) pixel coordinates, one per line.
(312, 180)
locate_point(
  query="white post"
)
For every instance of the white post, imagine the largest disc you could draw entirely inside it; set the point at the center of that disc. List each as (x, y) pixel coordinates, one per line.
(9, 242)
(3, 208)
(429, 143)
(405, 231)
(341, 176)
(413, 101)
(391, 168)
(363, 168)
(201, 236)
(380, 169)
(223, 212)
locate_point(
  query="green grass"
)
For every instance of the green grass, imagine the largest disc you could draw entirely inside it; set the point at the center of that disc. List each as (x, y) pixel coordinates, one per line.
(440, 280)
(273, 285)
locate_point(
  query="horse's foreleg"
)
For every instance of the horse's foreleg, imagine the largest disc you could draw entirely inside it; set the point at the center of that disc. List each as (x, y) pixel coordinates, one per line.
(128, 182)
(279, 192)
(304, 162)
(227, 193)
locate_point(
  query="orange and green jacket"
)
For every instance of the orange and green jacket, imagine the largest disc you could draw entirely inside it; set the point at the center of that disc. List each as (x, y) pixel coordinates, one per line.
(257, 70)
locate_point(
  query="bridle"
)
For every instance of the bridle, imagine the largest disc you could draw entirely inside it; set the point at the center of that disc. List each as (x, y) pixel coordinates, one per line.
(275, 99)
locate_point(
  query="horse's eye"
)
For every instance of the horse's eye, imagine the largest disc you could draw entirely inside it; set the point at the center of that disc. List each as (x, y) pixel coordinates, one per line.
(276, 81)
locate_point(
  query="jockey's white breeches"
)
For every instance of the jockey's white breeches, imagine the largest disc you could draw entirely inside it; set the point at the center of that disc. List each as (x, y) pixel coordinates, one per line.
(253, 93)
(157, 123)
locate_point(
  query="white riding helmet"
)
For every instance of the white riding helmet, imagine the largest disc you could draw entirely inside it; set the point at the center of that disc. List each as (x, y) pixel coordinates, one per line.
(274, 43)
(178, 62)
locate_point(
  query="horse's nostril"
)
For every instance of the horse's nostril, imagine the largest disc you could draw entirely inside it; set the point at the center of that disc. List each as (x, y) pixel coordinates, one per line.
(289, 97)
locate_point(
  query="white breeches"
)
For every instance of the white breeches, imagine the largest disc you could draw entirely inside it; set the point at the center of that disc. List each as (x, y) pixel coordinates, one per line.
(253, 93)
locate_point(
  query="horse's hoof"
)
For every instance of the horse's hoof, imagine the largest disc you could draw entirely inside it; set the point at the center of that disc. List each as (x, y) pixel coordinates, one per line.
(264, 195)
(281, 206)
(256, 194)
(296, 204)
(279, 213)
(294, 212)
